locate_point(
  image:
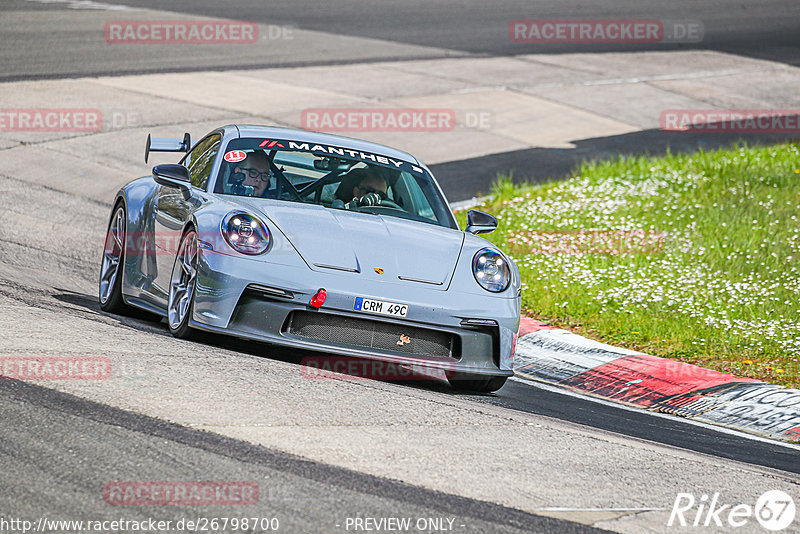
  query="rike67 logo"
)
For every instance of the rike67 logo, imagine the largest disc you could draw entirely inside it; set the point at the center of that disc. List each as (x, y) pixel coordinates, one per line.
(774, 510)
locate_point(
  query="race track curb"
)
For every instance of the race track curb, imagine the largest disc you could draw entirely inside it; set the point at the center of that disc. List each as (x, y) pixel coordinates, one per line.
(566, 359)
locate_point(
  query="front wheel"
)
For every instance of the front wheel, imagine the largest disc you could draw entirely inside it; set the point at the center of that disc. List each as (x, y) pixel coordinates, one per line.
(182, 287)
(477, 383)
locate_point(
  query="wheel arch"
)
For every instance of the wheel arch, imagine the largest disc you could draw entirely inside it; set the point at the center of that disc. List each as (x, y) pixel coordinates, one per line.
(135, 197)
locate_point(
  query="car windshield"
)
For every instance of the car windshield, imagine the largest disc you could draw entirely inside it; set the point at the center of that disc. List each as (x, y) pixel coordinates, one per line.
(330, 176)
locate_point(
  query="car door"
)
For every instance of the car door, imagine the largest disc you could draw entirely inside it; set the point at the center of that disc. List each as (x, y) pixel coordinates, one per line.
(172, 211)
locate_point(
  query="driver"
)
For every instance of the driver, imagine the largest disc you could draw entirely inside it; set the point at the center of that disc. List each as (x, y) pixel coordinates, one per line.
(371, 182)
(370, 191)
(256, 172)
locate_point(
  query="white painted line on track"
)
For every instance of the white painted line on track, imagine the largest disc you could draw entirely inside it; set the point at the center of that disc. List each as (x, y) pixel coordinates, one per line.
(467, 204)
(557, 509)
(84, 4)
(717, 428)
(666, 77)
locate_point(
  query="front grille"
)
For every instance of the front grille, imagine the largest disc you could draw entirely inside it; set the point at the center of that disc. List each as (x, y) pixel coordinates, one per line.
(369, 334)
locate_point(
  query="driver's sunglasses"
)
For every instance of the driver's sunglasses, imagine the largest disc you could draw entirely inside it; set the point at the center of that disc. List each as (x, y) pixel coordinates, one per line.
(253, 173)
(369, 189)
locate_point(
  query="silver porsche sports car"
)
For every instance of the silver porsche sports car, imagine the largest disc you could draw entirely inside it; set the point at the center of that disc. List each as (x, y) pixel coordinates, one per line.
(313, 241)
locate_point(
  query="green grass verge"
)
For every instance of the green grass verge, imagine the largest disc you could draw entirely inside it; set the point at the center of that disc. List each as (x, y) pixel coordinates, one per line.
(690, 257)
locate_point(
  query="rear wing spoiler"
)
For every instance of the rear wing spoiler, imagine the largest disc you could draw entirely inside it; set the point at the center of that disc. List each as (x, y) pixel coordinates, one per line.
(167, 144)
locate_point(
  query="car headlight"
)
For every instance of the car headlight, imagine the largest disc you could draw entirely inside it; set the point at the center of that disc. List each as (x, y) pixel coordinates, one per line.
(245, 233)
(491, 270)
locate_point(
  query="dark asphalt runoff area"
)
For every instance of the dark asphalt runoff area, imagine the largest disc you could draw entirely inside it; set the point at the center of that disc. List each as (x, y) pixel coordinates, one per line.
(467, 178)
(767, 29)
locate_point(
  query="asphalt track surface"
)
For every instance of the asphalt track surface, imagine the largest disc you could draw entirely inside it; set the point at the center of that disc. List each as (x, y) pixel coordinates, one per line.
(527, 396)
(97, 444)
(765, 29)
(59, 449)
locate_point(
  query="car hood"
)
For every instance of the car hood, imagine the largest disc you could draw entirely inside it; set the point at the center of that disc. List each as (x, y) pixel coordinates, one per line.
(331, 240)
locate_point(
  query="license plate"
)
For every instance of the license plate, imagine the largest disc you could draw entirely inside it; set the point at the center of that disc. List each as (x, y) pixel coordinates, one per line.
(380, 307)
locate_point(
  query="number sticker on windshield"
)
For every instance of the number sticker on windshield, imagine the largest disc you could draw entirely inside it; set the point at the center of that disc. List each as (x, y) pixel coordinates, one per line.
(234, 156)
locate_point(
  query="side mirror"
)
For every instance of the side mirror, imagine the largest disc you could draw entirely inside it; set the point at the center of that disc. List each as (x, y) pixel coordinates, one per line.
(174, 175)
(479, 222)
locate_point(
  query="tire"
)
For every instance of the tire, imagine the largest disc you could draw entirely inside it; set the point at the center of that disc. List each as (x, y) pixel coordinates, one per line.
(111, 269)
(477, 383)
(182, 285)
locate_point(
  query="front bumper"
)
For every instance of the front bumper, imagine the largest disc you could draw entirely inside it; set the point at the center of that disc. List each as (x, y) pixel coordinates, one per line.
(268, 302)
